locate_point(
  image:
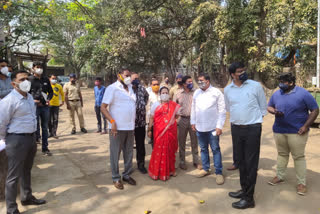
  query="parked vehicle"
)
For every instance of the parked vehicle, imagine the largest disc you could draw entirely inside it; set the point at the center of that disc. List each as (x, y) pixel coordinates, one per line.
(315, 92)
(63, 80)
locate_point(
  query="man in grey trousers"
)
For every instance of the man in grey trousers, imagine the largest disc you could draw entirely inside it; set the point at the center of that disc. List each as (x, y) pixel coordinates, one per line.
(121, 101)
(17, 127)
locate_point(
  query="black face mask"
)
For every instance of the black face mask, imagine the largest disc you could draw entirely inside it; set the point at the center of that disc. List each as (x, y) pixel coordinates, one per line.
(285, 88)
(135, 82)
(180, 83)
(243, 77)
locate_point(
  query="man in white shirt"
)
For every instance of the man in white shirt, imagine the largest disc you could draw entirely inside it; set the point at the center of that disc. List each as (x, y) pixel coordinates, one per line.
(153, 93)
(154, 97)
(120, 100)
(208, 115)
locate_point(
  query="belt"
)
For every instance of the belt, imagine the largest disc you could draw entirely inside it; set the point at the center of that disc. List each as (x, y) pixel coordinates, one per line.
(22, 134)
(74, 100)
(247, 126)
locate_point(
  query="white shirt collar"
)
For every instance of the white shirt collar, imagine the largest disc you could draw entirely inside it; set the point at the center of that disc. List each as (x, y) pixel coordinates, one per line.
(209, 88)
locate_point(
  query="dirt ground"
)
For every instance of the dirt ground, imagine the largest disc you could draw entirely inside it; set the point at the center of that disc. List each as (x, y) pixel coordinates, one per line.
(77, 178)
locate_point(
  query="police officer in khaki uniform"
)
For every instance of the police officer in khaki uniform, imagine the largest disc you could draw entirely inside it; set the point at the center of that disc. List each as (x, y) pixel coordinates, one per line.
(74, 102)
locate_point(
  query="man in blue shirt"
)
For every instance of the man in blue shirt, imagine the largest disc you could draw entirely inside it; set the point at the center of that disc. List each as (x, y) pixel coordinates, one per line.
(246, 102)
(99, 90)
(291, 106)
(18, 124)
(5, 81)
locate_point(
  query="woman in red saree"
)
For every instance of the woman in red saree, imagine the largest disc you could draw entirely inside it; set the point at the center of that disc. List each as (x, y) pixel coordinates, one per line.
(163, 117)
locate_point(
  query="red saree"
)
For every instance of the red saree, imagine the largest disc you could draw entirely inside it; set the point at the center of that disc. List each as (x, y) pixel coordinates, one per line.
(162, 162)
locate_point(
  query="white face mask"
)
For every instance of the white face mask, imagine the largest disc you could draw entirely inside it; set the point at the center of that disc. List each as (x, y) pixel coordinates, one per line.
(164, 97)
(127, 80)
(53, 81)
(24, 86)
(202, 85)
(5, 71)
(39, 71)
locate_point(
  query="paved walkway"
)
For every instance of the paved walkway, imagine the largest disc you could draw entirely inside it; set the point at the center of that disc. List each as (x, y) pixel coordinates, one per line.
(77, 179)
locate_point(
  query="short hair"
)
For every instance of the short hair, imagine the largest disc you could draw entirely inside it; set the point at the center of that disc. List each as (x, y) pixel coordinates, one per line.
(287, 77)
(153, 79)
(15, 74)
(163, 87)
(37, 63)
(99, 79)
(234, 66)
(3, 60)
(122, 70)
(51, 75)
(205, 75)
(185, 78)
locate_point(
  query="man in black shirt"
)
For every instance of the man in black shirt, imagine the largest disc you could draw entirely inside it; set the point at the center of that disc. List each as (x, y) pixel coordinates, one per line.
(140, 123)
(42, 93)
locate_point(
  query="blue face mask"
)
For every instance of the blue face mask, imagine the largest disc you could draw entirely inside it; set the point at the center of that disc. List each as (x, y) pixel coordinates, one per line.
(9, 74)
(283, 87)
(135, 82)
(190, 86)
(243, 77)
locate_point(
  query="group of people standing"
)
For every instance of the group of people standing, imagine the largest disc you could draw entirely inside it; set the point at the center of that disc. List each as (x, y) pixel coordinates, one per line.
(173, 113)
(30, 105)
(167, 115)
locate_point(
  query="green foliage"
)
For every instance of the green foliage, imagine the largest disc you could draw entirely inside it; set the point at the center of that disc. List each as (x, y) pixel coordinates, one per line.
(104, 35)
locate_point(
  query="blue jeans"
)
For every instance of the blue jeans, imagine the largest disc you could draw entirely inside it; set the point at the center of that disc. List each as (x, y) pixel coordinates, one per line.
(205, 139)
(43, 116)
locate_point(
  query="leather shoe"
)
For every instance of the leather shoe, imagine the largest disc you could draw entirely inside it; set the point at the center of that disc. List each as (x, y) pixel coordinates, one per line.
(243, 204)
(142, 169)
(33, 201)
(130, 181)
(233, 167)
(237, 194)
(118, 184)
(183, 166)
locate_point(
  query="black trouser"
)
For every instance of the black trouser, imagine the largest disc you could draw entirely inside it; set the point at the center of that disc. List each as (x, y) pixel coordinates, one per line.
(53, 120)
(20, 150)
(98, 115)
(140, 135)
(234, 153)
(246, 143)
